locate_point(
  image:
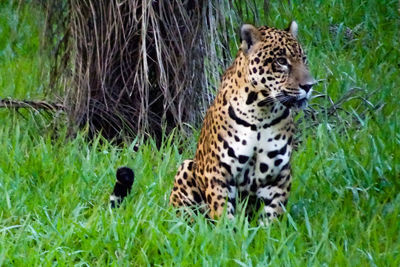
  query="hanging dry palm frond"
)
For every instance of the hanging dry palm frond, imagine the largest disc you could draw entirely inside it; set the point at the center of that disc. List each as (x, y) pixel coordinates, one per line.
(138, 65)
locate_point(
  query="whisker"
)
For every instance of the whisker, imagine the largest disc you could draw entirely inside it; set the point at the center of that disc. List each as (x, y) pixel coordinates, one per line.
(268, 100)
(284, 98)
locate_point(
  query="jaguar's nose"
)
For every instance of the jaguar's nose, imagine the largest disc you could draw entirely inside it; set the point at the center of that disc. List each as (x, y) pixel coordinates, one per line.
(306, 87)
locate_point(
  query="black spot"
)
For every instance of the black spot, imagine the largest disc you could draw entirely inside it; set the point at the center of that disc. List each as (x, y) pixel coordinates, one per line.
(243, 159)
(239, 121)
(273, 154)
(267, 201)
(290, 140)
(185, 176)
(276, 195)
(209, 198)
(224, 99)
(258, 136)
(277, 120)
(246, 178)
(180, 181)
(190, 166)
(263, 80)
(227, 167)
(251, 98)
(215, 205)
(278, 162)
(231, 152)
(263, 167)
(219, 182)
(196, 197)
(183, 191)
(267, 61)
(239, 74)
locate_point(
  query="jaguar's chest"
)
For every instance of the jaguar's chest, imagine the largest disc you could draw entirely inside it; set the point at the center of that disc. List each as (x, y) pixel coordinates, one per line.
(271, 154)
(257, 156)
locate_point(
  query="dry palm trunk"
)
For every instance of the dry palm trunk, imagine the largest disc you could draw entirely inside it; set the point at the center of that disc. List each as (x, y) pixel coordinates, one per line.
(138, 65)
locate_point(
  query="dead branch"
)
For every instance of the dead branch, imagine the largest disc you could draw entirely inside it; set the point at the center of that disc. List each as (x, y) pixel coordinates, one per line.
(36, 105)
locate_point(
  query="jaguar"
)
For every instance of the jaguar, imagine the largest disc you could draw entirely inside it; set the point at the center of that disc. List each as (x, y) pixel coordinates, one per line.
(246, 141)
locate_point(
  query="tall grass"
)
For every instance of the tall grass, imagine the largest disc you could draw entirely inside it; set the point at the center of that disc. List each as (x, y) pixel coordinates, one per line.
(344, 208)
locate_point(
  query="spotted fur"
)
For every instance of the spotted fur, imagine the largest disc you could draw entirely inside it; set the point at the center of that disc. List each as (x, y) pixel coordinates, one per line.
(246, 140)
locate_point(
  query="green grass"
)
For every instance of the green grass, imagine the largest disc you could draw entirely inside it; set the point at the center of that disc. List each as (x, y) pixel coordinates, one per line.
(344, 208)
(21, 63)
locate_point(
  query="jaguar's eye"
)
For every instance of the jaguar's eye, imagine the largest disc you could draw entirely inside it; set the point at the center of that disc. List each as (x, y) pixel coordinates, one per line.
(282, 61)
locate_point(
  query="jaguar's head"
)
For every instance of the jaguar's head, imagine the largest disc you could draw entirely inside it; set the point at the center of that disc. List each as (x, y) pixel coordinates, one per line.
(277, 65)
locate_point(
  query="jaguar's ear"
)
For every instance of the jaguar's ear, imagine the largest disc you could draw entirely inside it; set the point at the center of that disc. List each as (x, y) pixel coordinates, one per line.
(293, 28)
(249, 36)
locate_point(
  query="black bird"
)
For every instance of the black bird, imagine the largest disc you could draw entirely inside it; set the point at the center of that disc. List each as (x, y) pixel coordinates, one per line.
(123, 185)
